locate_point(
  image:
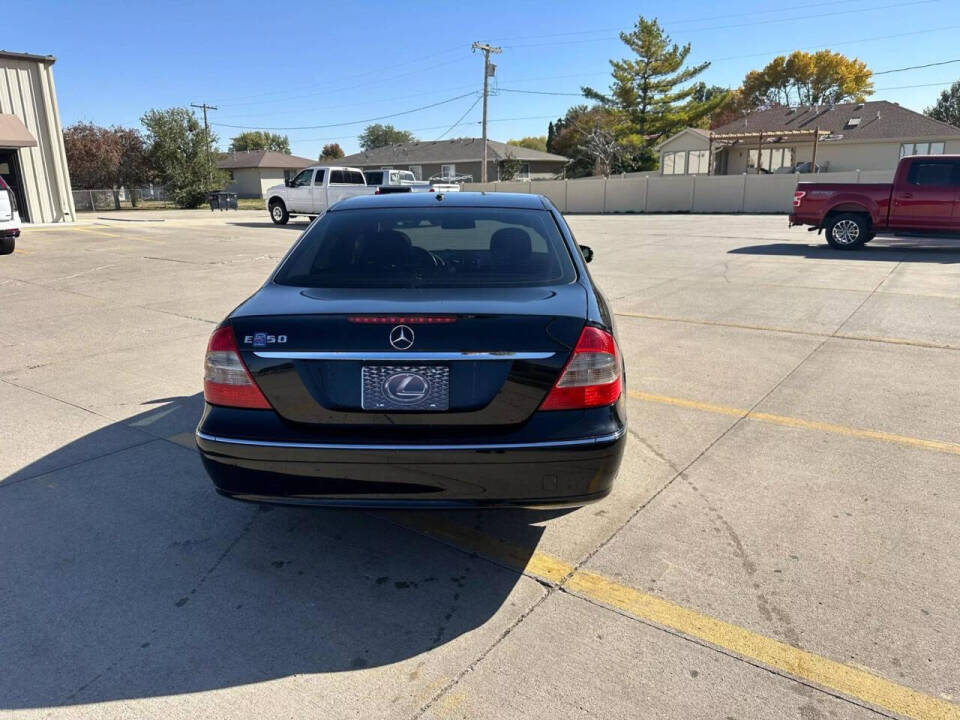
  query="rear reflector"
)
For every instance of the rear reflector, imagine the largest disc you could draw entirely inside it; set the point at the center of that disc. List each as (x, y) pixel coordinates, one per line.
(226, 380)
(402, 319)
(592, 376)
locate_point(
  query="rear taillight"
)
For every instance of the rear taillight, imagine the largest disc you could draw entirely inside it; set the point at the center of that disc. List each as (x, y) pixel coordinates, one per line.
(592, 376)
(798, 197)
(226, 380)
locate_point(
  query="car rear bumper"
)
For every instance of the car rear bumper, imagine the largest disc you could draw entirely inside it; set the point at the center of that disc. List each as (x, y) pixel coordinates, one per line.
(12, 232)
(461, 474)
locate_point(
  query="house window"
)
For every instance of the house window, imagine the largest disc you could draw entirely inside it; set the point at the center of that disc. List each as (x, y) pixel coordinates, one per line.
(417, 171)
(230, 175)
(523, 172)
(921, 148)
(675, 163)
(448, 172)
(772, 159)
(698, 162)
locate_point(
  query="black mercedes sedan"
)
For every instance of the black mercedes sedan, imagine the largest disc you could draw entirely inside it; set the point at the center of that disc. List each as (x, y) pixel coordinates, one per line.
(420, 350)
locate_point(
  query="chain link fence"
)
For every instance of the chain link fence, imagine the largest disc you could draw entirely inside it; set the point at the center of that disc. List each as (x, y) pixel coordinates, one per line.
(95, 200)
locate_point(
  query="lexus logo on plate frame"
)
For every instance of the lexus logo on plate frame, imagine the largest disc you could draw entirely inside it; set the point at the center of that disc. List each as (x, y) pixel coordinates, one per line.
(406, 387)
(401, 337)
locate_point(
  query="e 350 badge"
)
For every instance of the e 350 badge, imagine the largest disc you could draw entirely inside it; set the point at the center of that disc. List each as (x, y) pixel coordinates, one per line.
(263, 339)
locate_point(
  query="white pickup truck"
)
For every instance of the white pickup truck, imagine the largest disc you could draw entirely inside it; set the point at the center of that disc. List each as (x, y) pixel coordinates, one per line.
(313, 190)
(393, 179)
(9, 219)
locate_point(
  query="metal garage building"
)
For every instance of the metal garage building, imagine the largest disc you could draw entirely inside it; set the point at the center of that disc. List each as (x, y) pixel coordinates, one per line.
(32, 158)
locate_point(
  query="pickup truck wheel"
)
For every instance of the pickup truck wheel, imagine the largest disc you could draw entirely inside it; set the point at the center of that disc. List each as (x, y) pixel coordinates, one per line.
(6, 245)
(847, 231)
(278, 213)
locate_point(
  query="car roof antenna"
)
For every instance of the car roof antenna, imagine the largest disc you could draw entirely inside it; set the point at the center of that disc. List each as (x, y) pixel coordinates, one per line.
(439, 196)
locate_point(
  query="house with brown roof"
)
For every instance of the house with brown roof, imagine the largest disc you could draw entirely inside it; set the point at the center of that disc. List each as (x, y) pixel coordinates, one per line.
(459, 158)
(253, 171)
(849, 136)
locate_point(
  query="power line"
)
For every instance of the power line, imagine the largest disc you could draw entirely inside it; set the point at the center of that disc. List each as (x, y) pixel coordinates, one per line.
(372, 71)
(351, 122)
(725, 16)
(433, 127)
(540, 92)
(351, 86)
(460, 119)
(921, 85)
(740, 25)
(916, 67)
(713, 61)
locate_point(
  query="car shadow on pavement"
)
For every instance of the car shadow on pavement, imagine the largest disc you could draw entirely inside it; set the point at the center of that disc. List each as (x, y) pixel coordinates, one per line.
(123, 575)
(908, 250)
(292, 225)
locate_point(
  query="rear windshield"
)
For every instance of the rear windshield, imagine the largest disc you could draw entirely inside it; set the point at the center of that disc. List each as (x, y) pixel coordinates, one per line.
(430, 247)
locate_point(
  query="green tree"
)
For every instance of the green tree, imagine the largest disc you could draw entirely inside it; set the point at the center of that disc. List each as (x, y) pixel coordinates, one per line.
(260, 140)
(569, 137)
(179, 155)
(509, 167)
(803, 78)
(947, 108)
(377, 135)
(531, 143)
(100, 157)
(650, 93)
(332, 151)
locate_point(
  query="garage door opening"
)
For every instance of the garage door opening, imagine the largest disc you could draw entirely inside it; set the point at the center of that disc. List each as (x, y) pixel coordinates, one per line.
(10, 172)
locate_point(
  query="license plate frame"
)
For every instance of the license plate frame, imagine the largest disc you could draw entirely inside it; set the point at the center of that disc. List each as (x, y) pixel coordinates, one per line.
(405, 388)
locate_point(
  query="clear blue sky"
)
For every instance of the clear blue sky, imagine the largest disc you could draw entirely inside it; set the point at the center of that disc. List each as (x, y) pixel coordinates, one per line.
(283, 64)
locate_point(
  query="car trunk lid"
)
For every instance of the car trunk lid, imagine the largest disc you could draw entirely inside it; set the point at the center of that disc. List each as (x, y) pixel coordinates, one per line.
(497, 350)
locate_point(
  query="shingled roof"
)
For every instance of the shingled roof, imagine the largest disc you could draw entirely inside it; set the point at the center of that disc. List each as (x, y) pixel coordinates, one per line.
(879, 120)
(446, 151)
(263, 159)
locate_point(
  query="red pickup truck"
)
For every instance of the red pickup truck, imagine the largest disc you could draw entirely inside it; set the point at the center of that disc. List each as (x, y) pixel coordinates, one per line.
(923, 198)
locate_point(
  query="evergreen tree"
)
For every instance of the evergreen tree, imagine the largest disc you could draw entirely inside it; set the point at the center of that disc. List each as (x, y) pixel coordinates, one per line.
(651, 93)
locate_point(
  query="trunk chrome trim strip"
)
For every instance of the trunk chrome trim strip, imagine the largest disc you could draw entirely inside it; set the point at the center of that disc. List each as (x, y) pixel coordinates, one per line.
(403, 355)
(597, 440)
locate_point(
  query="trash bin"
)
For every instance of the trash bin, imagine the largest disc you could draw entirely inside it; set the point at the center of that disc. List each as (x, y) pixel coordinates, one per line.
(222, 201)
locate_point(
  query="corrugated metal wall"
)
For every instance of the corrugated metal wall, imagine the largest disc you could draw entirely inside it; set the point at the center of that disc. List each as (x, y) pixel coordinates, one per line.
(27, 91)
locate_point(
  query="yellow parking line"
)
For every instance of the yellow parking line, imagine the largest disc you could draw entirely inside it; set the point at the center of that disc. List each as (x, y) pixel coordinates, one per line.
(790, 331)
(810, 667)
(934, 445)
(847, 680)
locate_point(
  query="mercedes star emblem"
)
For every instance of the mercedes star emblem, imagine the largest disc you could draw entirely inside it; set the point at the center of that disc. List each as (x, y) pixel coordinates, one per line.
(401, 337)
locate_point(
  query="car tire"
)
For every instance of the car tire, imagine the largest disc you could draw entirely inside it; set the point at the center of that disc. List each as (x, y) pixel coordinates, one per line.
(6, 245)
(278, 213)
(847, 231)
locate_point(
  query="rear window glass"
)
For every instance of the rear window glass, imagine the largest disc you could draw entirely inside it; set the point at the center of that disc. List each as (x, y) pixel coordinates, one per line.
(346, 177)
(932, 173)
(430, 247)
(374, 178)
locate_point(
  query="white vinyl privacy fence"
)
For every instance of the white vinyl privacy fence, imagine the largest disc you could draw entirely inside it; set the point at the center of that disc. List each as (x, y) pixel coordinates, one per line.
(678, 193)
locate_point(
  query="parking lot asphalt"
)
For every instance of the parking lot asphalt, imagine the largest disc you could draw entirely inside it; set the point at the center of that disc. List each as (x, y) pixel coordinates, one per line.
(781, 541)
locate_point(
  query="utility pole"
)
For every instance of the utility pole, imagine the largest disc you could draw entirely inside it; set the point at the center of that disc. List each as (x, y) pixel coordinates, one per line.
(488, 71)
(206, 132)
